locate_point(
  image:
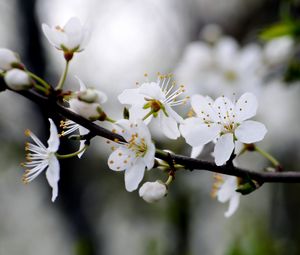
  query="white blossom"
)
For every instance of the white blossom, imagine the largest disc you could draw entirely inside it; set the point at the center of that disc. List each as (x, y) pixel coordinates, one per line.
(7, 59)
(153, 191)
(278, 50)
(17, 79)
(223, 122)
(87, 102)
(227, 192)
(156, 99)
(40, 158)
(135, 155)
(224, 67)
(73, 37)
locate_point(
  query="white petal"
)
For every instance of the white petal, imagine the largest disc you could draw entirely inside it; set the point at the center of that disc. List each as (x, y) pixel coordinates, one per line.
(203, 107)
(152, 90)
(246, 107)
(137, 112)
(86, 36)
(196, 133)
(279, 50)
(81, 84)
(233, 205)
(250, 131)
(82, 131)
(86, 110)
(134, 175)
(196, 151)
(55, 37)
(173, 114)
(120, 159)
(149, 157)
(73, 30)
(53, 141)
(102, 97)
(226, 51)
(73, 26)
(130, 96)
(52, 174)
(224, 107)
(169, 126)
(227, 189)
(223, 149)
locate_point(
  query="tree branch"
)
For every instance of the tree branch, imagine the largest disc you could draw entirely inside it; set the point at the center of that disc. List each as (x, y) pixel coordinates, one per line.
(50, 104)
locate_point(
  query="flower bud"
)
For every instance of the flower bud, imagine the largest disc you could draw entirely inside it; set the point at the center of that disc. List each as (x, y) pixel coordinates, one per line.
(86, 110)
(17, 79)
(153, 191)
(87, 102)
(88, 96)
(7, 59)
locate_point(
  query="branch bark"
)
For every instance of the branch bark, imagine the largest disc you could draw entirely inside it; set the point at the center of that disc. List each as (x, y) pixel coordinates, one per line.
(189, 163)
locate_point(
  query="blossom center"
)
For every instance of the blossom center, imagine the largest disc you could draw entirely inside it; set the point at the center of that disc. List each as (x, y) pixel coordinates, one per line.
(230, 75)
(138, 146)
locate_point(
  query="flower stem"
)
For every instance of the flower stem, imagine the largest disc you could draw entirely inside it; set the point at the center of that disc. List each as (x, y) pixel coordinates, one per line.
(109, 119)
(39, 79)
(71, 154)
(41, 88)
(169, 180)
(63, 77)
(268, 156)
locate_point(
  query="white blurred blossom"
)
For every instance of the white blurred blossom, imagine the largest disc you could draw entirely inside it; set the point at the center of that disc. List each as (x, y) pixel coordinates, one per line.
(226, 192)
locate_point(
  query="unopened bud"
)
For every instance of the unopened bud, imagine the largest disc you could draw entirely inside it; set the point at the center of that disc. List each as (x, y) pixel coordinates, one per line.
(17, 79)
(7, 59)
(88, 96)
(153, 191)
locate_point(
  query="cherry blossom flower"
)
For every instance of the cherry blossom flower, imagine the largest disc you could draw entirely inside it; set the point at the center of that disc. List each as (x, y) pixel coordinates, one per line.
(278, 51)
(40, 158)
(223, 67)
(135, 155)
(156, 99)
(225, 190)
(73, 37)
(8, 59)
(17, 79)
(153, 191)
(224, 122)
(87, 102)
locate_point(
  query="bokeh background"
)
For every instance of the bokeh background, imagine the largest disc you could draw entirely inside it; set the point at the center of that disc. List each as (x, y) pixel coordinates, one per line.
(94, 214)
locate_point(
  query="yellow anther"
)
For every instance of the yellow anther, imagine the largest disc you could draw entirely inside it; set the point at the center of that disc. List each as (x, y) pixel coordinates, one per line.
(27, 132)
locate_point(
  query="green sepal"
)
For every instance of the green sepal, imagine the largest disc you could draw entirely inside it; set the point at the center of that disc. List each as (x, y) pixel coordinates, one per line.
(247, 186)
(126, 113)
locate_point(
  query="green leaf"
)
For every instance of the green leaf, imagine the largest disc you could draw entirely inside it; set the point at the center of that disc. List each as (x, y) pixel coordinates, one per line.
(277, 30)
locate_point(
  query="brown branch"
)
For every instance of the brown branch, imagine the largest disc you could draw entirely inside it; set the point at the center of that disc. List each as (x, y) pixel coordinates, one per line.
(189, 163)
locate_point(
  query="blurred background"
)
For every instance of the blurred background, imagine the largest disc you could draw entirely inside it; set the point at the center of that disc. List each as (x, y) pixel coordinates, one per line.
(212, 47)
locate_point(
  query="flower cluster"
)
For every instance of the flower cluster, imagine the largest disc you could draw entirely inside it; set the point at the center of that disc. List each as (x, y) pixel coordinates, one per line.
(223, 122)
